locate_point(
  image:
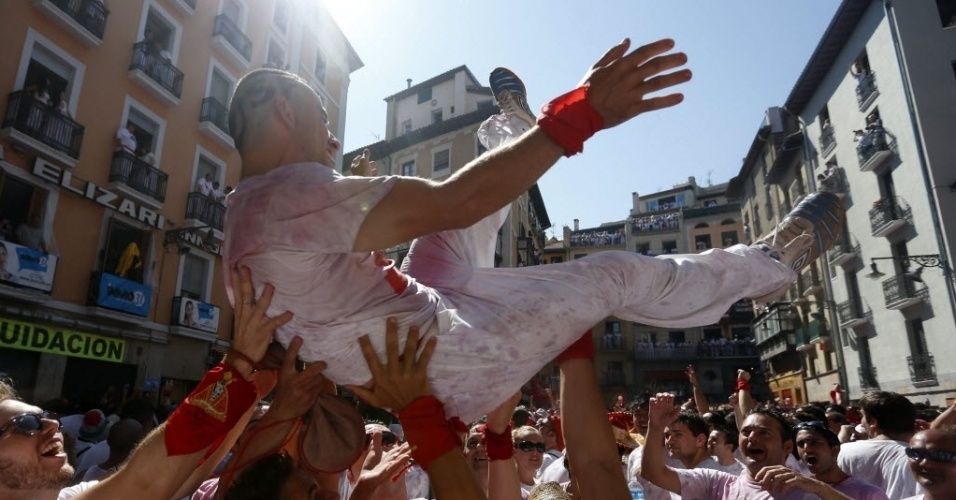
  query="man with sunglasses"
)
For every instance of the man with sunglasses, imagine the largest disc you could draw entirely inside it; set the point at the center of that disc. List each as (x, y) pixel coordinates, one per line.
(818, 447)
(932, 460)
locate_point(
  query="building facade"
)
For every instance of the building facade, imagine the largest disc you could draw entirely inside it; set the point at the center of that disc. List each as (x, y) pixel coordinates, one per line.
(869, 118)
(114, 121)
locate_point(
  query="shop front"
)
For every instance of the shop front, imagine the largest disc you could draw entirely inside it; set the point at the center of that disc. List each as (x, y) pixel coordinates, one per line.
(789, 388)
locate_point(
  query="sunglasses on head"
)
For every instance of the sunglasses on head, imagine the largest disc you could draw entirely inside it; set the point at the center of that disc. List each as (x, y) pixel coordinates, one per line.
(813, 425)
(388, 439)
(28, 424)
(942, 456)
(528, 446)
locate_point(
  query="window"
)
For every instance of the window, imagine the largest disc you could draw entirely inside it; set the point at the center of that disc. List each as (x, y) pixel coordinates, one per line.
(280, 18)
(46, 70)
(275, 57)
(580, 256)
(612, 327)
(557, 260)
(644, 248)
(320, 66)
(677, 337)
(22, 212)
(947, 12)
(702, 242)
(145, 129)
(195, 277)
(440, 161)
(424, 95)
(408, 168)
(406, 127)
(670, 246)
(160, 32)
(220, 86)
(233, 10)
(437, 116)
(729, 238)
(125, 252)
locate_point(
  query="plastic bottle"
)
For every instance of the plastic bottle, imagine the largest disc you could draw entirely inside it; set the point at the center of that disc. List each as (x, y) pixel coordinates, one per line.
(637, 491)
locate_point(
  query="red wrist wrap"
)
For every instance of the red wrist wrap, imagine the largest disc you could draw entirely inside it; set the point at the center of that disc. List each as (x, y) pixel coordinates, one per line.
(210, 411)
(743, 385)
(426, 428)
(583, 348)
(499, 446)
(570, 120)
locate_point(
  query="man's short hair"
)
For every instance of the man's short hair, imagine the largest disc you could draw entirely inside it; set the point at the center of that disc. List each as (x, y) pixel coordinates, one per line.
(259, 87)
(894, 413)
(693, 422)
(263, 479)
(786, 431)
(731, 436)
(7, 392)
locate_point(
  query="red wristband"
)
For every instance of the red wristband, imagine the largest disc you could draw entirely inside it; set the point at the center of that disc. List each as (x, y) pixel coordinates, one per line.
(210, 411)
(429, 432)
(583, 348)
(570, 120)
(743, 385)
(499, 446)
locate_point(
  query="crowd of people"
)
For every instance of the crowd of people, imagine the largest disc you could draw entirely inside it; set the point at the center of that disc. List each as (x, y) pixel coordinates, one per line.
(663, 222)
(597, 238)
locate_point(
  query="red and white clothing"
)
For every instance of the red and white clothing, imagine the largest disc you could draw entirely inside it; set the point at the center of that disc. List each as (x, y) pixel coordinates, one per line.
(295, 227)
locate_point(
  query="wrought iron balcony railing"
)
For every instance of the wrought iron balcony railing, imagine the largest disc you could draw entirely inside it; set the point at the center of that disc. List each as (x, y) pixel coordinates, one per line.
(874, 149)
(139, 175)
(214, 112)
(851, 315)
(888, 215)
(843, 251)
(900, 291)
(43, 123)
(90, 14)
(227, 28)
(205, 209)
(866, 90)
(922, 367)
(148, 60)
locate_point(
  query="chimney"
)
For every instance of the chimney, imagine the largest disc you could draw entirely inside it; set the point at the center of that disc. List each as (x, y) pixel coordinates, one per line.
(576, 224)
(408, 83)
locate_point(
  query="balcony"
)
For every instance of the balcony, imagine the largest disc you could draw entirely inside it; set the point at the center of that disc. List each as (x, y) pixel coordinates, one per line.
(866, 91)
(851, 315)
(664, 223)
(888, 216)
(84, 19)
(185, 7)
(613, 343)
(900, 292)
(774, 331)
(156, 73)
(810, 284)
(231, 41)
(801, 340)
(922, 369)
(644, 351)
(874, 150)
(192, 314)
(595, 238)
(816, 332)
(827, 141)
(214, 121)
(204, 211)
(613, 378)
(42, 129)
(868, 379)
(843, 251)
(138, 179)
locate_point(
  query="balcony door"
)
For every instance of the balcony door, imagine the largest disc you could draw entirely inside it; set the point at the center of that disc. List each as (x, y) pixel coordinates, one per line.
(220, 87)
(22, 205)
(125, 252)
(194, 282)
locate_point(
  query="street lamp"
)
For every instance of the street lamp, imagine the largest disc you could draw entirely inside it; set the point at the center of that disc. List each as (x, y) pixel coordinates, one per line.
(933, 260)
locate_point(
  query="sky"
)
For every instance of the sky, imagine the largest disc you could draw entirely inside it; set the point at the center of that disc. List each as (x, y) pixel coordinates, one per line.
(746, 56)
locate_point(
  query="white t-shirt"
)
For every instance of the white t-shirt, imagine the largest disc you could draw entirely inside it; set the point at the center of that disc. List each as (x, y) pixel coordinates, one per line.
(127, 139)
(204, 187)
(882, 463)
(72, 491)
(734, 469)
(651, 490)
(555, 472)
(859, 490)
(546, 460)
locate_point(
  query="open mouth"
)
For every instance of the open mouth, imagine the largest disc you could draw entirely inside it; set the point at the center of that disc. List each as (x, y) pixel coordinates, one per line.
(755, 454)
(53, 448)
(811, 460)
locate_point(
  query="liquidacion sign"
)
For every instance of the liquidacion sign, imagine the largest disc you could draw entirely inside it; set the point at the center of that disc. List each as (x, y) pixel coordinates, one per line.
(38, 338)
(64, 178)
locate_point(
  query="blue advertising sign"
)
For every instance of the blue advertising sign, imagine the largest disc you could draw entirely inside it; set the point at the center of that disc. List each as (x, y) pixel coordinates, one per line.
(195, 314)
(26, 267)
(123, 295)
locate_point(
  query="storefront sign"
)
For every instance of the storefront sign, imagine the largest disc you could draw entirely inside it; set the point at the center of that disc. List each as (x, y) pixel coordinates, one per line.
(26, 267)
(124, 295)
(64, 178)
(195, 314)
(38, 338)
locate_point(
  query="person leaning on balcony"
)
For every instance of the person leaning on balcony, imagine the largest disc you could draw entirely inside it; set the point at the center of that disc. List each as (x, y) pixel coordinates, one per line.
(126, 138)
(858, 71)
(204, 185)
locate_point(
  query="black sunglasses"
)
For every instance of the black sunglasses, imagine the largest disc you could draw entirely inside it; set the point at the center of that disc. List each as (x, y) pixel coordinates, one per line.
(388, 439)
(941, 456)
(527, 446)
(813, 425)
(28, 424)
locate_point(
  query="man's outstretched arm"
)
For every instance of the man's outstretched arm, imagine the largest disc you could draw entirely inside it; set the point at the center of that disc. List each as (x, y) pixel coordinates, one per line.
(617, 89)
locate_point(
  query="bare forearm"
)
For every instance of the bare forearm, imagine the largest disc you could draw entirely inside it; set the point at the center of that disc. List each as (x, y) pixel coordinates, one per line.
(451, 479)
(593, 456)
(746, 402)
(703, 406)
(503, 480)
(945, 419)
(653, 467)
